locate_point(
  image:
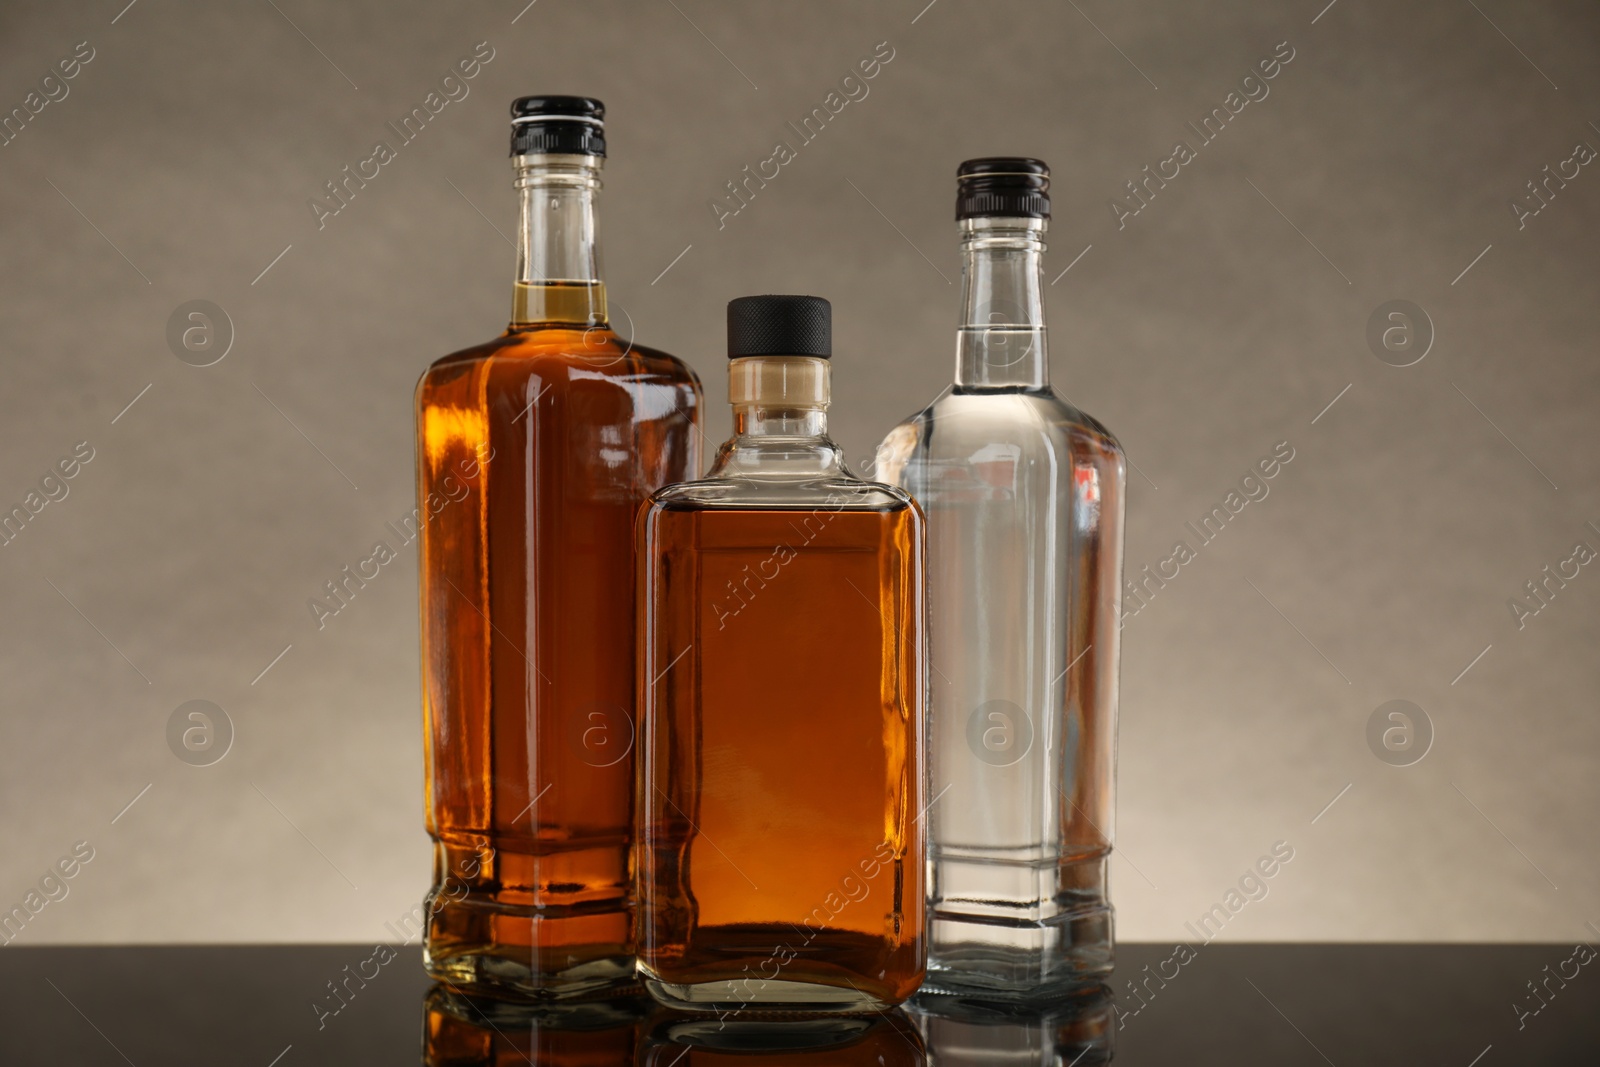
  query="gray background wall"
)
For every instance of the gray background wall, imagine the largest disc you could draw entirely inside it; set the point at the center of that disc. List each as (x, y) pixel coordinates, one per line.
(1219, 321)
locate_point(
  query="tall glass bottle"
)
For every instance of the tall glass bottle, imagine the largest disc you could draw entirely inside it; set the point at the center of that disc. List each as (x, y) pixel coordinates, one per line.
(534, 452)
(781, 673)
(1023, 495)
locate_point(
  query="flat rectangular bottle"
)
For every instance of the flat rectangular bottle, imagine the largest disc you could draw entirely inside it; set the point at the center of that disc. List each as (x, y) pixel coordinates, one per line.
(1023, 495)
(781, 676)
(534, 453)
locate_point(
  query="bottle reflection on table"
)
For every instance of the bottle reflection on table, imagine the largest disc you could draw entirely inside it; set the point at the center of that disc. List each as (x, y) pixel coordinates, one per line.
(961, 1031)
(884, 1039)
(466, 1030)
(461, 1030)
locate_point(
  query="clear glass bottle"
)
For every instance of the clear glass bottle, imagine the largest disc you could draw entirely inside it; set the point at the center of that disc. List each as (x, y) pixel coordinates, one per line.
(781, 672)
(534, 452)
(1023, 495)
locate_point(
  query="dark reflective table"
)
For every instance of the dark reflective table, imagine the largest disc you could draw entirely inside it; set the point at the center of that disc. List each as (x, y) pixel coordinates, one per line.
(291, 1006)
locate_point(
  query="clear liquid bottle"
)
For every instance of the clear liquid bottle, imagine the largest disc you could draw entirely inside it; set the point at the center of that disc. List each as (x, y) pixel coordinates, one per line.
(534, 452)
(781, 673)
(1023, 495)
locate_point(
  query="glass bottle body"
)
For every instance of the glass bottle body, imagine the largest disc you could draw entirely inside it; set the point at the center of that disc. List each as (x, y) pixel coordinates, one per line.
(781, 784)
(1023, 495)
(534, 453)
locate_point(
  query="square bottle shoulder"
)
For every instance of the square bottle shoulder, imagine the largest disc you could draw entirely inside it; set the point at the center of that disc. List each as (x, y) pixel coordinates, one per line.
(748, 494)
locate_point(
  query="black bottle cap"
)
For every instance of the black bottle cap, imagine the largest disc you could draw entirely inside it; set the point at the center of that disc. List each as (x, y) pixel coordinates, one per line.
(780, 326)
(1003, 187)
(567, 125)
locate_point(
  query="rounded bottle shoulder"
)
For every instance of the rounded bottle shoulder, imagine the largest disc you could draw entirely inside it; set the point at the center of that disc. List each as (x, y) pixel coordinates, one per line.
(1018, 410)
(552, 350)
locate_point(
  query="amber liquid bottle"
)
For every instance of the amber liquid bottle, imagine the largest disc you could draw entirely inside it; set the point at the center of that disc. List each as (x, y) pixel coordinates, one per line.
(781, 677)
(534, 453)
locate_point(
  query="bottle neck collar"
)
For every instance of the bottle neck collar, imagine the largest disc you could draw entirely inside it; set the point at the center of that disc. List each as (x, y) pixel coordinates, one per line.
(780, 419)
(1000, 343)
(558, 253)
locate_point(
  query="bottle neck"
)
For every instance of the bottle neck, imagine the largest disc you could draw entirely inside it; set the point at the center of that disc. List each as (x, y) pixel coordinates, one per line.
(558, 256)
(780, 419)
(1001, 341)
(756, 421)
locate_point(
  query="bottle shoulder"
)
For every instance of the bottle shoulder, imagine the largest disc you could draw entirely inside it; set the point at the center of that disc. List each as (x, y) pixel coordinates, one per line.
(804, 494)
(965, 417)
(565, 353)
(980, 435)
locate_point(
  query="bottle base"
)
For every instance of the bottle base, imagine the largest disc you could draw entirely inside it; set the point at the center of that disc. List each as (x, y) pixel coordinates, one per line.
(487, 972)
(508, 1014)
(1021, 963)
(488, 947)
(757, 997)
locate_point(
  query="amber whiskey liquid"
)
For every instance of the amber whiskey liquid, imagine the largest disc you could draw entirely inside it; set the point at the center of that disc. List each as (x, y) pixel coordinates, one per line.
(534, 453)
(781, 860)
(784, 843)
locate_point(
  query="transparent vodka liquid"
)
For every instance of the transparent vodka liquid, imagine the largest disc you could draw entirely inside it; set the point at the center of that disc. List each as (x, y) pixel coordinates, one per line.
(1023, 497)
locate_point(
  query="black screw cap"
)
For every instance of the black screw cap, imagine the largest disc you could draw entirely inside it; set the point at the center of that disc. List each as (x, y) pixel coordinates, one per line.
(780, 326)
(566, 125)
(1003, 187)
